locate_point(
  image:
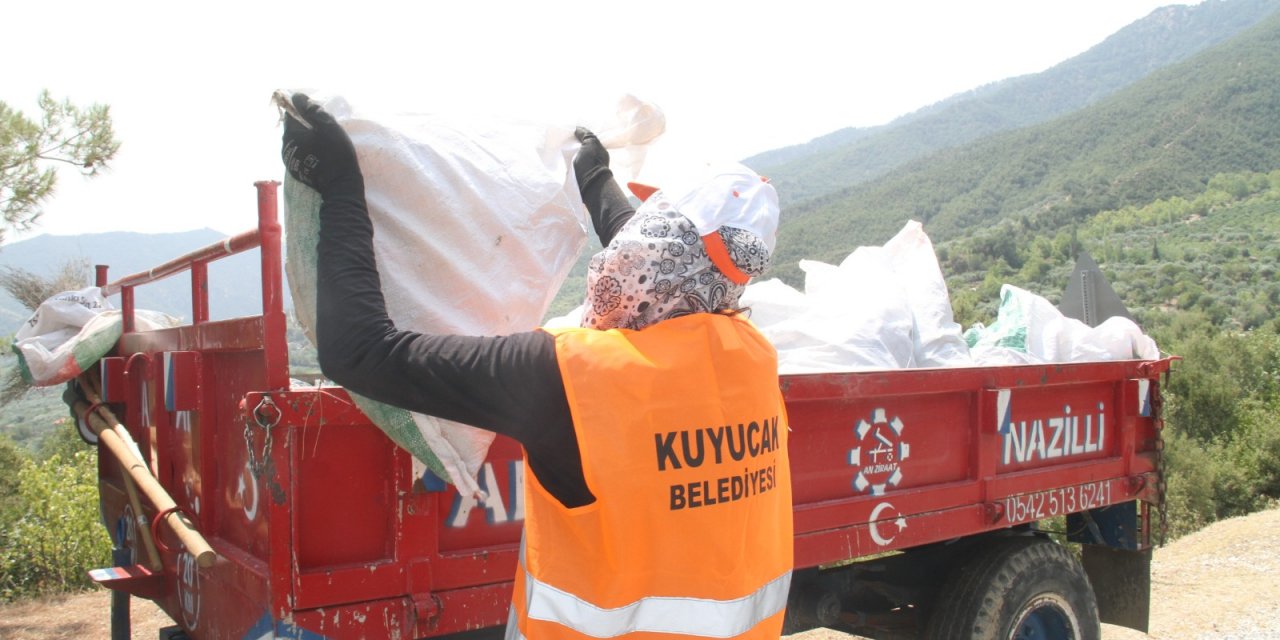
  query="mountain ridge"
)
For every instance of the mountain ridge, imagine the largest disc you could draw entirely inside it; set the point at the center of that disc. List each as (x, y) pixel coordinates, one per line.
(848, 157)
(1166, 135)
(234, 283)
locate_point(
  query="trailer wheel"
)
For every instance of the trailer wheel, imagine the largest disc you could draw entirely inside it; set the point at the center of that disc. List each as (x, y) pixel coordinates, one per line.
(1020, 588)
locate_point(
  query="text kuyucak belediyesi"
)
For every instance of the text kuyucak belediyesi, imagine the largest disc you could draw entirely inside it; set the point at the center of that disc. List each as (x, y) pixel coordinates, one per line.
(721, 445)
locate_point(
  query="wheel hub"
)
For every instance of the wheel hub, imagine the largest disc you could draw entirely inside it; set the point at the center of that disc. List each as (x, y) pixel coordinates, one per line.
(1046, 617)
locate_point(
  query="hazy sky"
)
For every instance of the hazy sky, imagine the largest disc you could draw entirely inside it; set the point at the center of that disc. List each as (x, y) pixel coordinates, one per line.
(189, 83)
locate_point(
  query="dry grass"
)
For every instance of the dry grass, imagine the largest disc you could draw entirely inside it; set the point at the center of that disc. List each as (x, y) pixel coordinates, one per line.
(80, 616)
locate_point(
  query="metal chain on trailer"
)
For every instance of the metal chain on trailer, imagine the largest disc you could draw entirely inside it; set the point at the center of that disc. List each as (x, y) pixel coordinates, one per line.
(1161, 484)
(258, 464)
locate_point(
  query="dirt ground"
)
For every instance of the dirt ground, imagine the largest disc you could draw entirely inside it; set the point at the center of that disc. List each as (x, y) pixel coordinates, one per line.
(1222, 583)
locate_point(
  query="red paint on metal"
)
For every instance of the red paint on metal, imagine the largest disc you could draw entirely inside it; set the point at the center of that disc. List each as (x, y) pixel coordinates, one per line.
(199, 292)
(126, 308)
(320, 522)
(157, 533)
(112, 372)
(136, 580)
(182, 380)
(234, 335)
(230, 246)
(392, 618)
(276, 352)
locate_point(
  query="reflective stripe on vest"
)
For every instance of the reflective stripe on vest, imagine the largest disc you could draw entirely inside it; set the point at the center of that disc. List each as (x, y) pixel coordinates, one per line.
(655, 614)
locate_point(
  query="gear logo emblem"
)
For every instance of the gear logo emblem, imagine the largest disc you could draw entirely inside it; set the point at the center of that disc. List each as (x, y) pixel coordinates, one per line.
(879, 454)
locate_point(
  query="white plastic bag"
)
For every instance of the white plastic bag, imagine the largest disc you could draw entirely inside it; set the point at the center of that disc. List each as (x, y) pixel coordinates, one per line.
(636, 124)
(71, 331)
(850, 317)
(881, 308)
(1029, 324)
(938, 338)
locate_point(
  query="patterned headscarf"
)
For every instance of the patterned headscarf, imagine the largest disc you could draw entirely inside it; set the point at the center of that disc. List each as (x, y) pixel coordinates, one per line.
(657, 268)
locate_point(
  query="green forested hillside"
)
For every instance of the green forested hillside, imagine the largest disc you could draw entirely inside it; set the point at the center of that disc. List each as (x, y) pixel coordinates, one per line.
(1199, 275)
(1213, 255)
(852, 156)
(1165, 136)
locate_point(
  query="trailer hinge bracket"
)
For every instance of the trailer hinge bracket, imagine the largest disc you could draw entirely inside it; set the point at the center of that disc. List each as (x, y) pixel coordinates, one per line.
(994, 511)
(426, 607)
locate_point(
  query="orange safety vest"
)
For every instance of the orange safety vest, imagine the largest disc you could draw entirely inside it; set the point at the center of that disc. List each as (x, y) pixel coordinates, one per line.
(683, 437)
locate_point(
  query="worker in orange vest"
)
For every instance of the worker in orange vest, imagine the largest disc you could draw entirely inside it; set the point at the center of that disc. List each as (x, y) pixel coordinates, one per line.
(659, 492)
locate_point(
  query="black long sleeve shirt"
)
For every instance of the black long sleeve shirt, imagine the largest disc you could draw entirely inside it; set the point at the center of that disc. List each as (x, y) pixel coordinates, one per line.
(507, 384)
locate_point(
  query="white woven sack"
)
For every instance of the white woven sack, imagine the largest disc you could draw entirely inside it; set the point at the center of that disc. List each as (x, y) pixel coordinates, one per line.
(477, 222)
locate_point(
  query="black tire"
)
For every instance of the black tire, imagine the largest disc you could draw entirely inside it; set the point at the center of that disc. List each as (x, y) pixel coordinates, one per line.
(1016, 588)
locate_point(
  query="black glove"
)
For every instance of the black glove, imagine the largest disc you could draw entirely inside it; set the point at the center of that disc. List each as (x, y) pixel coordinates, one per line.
(321, 157)
(71, 395)
(592, 162)
(605, 201)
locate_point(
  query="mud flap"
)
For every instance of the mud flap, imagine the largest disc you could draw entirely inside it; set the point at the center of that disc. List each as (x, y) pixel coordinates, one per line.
(1121, 582)
(1118, 570)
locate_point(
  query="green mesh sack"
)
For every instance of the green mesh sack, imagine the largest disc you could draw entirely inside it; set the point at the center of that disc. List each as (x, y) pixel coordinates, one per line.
(477, 222)
(70, 332)
(54, 358)
(1010, 328)
(302, 221)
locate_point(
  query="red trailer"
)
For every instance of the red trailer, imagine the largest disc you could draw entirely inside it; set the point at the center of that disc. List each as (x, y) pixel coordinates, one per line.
(918, 493)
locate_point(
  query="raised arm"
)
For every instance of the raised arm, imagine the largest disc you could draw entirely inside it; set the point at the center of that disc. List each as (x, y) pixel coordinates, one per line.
(607, 204)
(508, 384)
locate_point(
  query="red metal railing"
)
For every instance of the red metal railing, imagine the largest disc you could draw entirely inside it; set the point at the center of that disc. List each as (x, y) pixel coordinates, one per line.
(267, 237)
